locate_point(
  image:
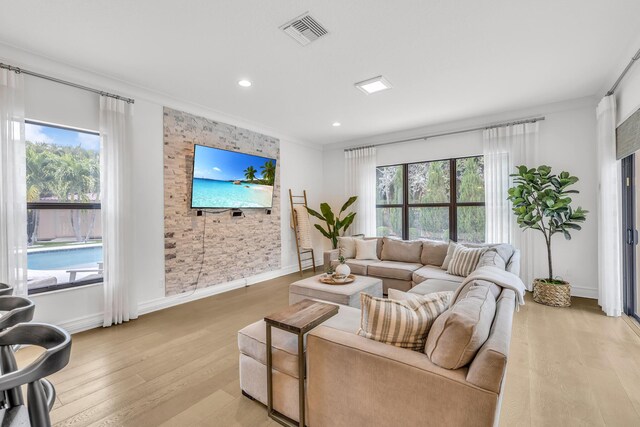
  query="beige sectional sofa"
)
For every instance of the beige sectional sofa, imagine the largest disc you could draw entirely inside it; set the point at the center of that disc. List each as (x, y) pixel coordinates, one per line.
(355, 381)
(416, 266)
(458, 380)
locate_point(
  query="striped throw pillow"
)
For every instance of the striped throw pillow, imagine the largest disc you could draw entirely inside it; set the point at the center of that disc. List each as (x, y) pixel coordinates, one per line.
(464, 260)
(401, 323)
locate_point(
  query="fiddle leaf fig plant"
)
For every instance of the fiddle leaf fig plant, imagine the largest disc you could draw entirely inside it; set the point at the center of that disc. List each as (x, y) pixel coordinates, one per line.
(334, 222)
(541, 202)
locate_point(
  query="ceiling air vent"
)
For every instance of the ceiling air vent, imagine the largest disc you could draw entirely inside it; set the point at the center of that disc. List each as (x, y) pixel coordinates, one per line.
(304, 29)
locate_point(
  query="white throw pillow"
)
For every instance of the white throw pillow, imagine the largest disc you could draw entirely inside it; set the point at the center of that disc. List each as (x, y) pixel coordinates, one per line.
(347, 246)
(366, 249)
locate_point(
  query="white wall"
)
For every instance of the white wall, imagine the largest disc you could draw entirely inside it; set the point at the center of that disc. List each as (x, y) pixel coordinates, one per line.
(567, 142)
(300, 168)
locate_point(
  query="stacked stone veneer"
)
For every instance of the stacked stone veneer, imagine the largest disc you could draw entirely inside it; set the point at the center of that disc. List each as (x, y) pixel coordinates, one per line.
(234, 248)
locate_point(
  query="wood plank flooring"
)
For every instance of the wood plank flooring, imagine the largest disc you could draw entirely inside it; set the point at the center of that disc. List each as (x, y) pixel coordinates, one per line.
(179, 367)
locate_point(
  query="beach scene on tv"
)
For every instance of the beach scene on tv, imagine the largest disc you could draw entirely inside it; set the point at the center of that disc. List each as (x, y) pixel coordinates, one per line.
(228, 179)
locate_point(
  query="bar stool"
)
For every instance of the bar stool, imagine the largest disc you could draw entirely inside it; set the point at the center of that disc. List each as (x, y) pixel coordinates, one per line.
(17, 310)
(5, 289)
(41, 394)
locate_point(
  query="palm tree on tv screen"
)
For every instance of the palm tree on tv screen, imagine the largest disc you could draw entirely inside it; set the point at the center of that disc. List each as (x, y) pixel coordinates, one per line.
(250, 173)
(269, 172)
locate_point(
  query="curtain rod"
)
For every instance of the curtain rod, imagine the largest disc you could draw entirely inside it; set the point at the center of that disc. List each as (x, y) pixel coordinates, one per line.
(624, 73)
(64, 82)
(455, 132)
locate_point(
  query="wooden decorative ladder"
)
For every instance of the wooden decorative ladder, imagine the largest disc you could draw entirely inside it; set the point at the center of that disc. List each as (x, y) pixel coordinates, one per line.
(300, 200)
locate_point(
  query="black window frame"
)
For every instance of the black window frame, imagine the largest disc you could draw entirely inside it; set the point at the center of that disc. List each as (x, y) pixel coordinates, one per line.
(453, 203)
(63, 206)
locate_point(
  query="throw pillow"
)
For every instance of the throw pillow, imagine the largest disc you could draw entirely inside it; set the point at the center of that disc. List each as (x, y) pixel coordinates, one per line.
(433, 252)
(459, 333)
(464, 260)
(491, 258)
(401, 250)
(447, 259)
(366, 249)
(347, 246)
(401, 323)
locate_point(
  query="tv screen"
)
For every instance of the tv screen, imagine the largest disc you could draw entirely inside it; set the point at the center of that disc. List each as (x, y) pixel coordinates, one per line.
(225, 179)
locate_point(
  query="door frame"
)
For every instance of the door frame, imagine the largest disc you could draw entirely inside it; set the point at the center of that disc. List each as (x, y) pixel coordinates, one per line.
(630, 237)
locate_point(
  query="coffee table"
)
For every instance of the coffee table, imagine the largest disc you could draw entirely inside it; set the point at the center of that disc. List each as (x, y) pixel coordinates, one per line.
(298, 319)
(348, 294)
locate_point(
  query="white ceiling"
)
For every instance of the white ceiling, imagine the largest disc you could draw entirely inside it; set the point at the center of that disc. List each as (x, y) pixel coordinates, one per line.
(447, 60)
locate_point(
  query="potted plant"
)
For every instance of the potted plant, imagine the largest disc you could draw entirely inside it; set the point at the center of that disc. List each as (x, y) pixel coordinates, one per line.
(541, 202)
(334, 223)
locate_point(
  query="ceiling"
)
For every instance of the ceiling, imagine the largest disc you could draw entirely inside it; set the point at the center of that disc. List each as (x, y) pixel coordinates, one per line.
(447, 60)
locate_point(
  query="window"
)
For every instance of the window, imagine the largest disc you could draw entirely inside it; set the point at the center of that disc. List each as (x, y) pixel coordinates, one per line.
(63, 207)
(437, 200)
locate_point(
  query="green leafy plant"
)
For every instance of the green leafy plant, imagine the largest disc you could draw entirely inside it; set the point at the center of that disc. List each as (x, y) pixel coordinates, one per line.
(541, 202)
(334, 223)
(341, 259)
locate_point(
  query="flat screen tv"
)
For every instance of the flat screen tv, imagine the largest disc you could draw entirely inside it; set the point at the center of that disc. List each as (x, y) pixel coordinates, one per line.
(224, 179)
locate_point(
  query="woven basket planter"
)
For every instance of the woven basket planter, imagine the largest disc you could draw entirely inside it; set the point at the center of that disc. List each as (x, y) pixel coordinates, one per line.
(553, 295)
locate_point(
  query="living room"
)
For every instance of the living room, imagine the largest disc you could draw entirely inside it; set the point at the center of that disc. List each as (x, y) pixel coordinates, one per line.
(160, 292)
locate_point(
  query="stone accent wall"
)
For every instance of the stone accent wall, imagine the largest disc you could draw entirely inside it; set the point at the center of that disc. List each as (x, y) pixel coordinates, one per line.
(234, 248)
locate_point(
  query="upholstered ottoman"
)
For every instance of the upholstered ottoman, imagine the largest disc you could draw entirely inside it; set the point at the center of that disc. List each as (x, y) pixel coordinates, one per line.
(348, 294)
(253, 361)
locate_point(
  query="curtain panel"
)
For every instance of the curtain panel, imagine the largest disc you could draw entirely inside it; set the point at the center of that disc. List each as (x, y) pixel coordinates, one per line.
(505, 148)
(120, 303)
(609, 210)
(360, 180)
(13, 197)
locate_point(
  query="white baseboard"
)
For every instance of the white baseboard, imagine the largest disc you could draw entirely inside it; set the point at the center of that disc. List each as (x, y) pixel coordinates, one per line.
(578, 291)
(84, 323)
(172, 300)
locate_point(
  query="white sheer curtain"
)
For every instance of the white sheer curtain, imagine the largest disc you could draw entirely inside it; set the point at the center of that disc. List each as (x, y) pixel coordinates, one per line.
(120, 303)
(609, 214)
(13, 197)
(360, 180)
(505, 148)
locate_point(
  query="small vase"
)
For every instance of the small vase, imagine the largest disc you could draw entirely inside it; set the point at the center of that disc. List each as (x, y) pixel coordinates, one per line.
(343, 269)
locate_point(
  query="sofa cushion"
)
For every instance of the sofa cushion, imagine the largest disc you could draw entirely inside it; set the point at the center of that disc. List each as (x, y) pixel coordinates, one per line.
(433, 252)
(505, 250)
(402, 324)
(493, 259)
(366, 249)
(464, 260)
(495, 289)
(347, 246)
(401, 250)
(357, 266)
(434, 285)
(393, 269)
(431, 272)
(458, 334)
(252, 340)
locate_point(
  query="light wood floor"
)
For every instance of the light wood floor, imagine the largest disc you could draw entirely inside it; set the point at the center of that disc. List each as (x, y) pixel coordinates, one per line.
(179, 367)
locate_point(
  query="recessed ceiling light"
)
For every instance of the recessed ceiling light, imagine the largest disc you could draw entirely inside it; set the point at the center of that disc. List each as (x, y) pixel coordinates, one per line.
(336, 124)
(244, 83)
(374, 85)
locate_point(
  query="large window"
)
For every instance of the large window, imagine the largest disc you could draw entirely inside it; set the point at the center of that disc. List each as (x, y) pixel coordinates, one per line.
(63, 207)
(438, 200)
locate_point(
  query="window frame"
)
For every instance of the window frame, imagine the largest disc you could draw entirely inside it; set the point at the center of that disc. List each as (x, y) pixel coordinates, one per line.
(63, 206)
(453, 203)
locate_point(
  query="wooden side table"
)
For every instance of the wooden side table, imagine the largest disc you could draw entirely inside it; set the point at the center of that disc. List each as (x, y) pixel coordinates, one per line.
(298, 319)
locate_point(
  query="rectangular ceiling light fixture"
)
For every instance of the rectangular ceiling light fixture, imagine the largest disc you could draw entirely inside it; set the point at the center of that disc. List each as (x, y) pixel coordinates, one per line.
(376, 84)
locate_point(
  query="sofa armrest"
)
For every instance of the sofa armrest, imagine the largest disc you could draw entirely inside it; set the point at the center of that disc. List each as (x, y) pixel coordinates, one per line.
(354, 381)
(329, 256)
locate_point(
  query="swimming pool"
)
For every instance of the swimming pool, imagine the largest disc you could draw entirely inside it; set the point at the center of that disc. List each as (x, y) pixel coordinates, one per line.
(66, 258)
